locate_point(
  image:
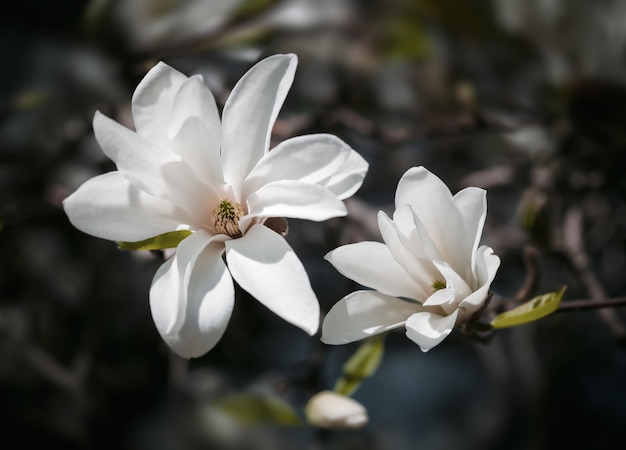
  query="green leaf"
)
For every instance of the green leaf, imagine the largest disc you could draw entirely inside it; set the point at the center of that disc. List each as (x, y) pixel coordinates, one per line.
(361, 365)
(166, 240)
(253, 408)
(535, 309)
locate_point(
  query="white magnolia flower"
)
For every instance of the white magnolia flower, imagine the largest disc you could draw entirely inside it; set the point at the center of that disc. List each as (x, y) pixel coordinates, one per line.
(183, 170)
(429, 274)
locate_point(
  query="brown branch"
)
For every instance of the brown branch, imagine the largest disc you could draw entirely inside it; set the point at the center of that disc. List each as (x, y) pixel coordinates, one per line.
(533, 274)
(585, 304)
(574, 248)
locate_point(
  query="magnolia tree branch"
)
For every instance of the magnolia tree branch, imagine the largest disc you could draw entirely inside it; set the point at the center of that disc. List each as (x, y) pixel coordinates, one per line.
(574, 248)
(598, 301)
(584, 304)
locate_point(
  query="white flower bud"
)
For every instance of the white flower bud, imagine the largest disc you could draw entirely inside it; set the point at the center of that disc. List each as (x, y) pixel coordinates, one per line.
(328, 409)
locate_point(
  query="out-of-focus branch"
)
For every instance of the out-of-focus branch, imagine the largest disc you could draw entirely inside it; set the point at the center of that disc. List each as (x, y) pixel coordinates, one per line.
(70, 380)
(574, 249)
(533, 274)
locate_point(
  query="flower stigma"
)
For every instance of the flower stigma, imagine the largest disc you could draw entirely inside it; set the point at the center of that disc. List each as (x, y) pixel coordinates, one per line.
(225, 218)
(438, 284)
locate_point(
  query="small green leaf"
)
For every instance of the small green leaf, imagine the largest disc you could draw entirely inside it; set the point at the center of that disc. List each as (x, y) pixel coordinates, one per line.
(253, 408)
(361, 365)
(166, 240)
(535, 309)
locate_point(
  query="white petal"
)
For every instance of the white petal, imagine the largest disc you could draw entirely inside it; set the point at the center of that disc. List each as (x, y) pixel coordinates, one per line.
(420, 270)
(472, 205)
(371, 264)
(453, 280)
(432, 204)
(349, 178)
(364, 313)
(152, 102)
(446, 299)
(169, 286)
(152, 169)
(432, 192)
(440, 297)
(138, 159)
(195, 130)
(249, 115)
(109, 207)
(411, 227)
(309, 159)
(192, 296)
(487, 265)
(427, 330)
(293, 199)
(265, 265)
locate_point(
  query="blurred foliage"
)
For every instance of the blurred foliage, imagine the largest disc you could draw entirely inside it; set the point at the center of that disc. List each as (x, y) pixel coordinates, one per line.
(250, 8)
(459, 17)
(253, 408)
(524, 98)
(405, 38)
(361, 365)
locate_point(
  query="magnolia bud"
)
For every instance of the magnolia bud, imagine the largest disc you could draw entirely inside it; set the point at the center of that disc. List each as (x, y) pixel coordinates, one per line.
(328, 409)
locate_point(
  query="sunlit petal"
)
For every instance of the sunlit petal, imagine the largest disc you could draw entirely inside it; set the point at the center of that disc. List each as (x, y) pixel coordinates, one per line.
(363, 314)
(249, 115)
(138, 159)
(421, 270)
(152, 102)
(192, 296)
(432, 204)
(371, 264)
(264, 264)
(453, 279)
(428, 330)
(349, 178)
(109, 207)
(472, 205)
(294, 199)
(309, 159)
(195, 130)
(487, 265)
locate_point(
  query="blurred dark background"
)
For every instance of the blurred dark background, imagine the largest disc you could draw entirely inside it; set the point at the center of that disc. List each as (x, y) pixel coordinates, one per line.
(526, 98)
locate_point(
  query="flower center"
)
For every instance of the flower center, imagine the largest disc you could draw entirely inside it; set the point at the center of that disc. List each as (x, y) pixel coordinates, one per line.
(225, 218)
(438, 284)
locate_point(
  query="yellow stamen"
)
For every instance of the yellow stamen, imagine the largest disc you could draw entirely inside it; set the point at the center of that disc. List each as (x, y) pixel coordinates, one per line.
(439, 284)
(225, 218)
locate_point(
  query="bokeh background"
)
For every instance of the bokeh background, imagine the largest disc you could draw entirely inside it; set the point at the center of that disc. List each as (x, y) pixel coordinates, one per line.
(526, 98)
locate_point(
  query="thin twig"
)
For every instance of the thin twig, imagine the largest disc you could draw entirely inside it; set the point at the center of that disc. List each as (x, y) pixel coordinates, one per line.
(584, 304)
